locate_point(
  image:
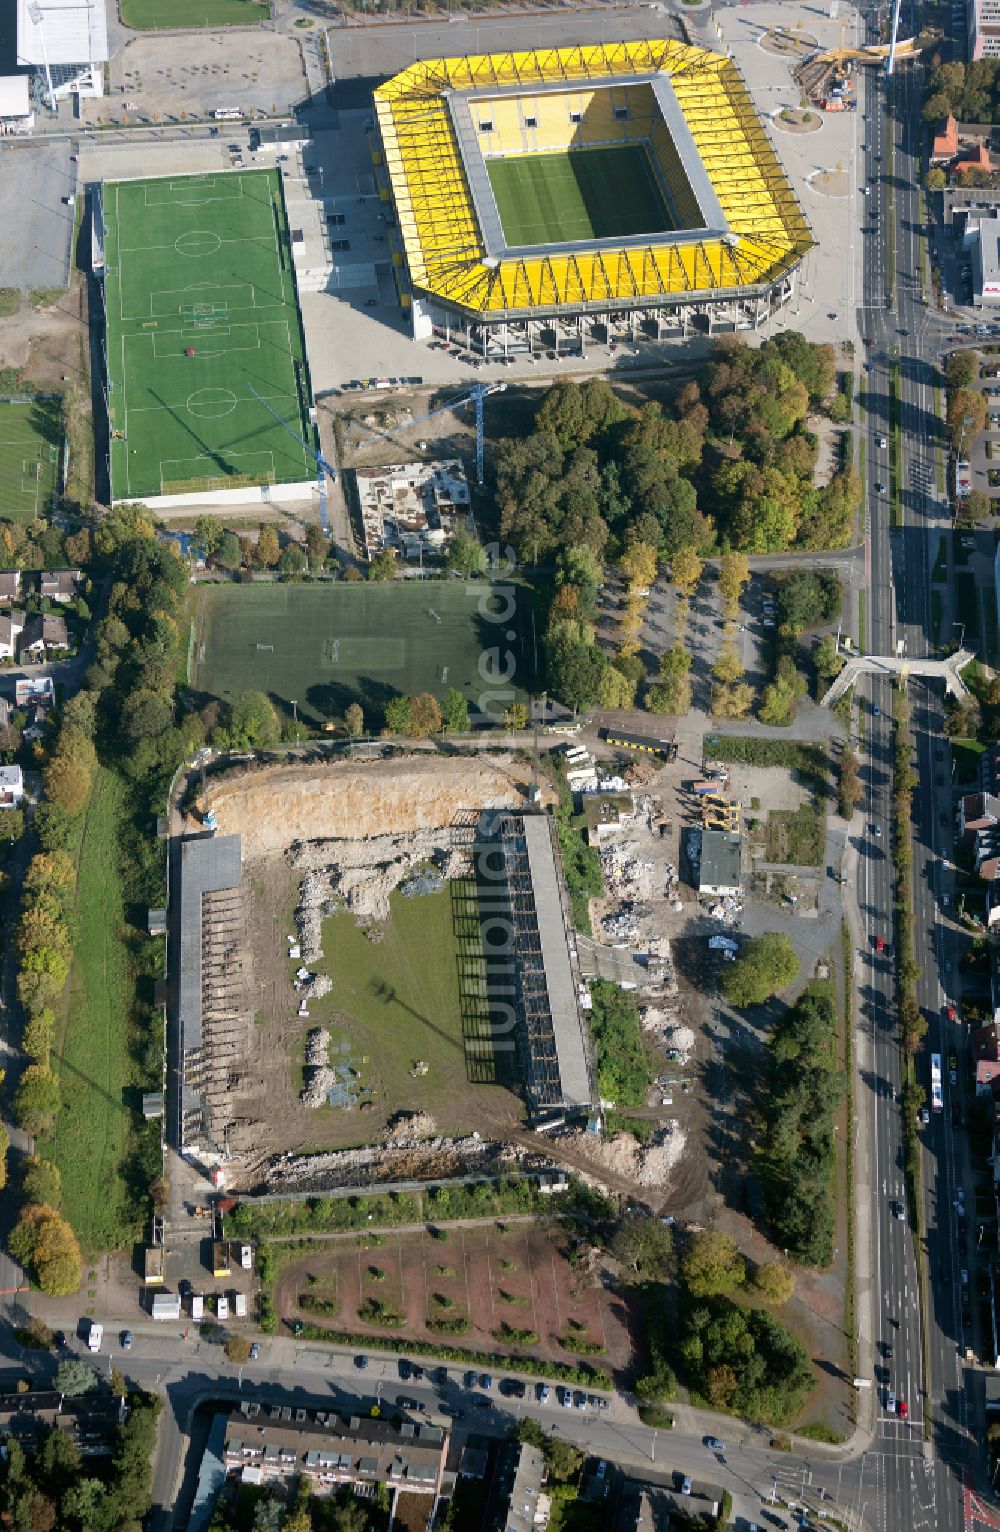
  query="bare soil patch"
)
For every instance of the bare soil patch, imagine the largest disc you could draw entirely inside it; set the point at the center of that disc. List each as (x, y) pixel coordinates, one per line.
(495, 1274)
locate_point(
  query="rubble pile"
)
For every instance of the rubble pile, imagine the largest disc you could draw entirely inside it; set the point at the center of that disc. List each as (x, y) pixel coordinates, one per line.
(649, 1165)
(407, 1128)
(627, 875)
(410, 1158)
(319, 1077)
(363, 873)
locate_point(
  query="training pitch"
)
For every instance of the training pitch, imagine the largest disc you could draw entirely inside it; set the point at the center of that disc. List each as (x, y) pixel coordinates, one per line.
(201, 307)
(330, 645)
(30, 436)
(580, 194)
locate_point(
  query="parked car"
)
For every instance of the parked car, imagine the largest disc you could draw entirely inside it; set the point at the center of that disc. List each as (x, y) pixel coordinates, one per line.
(714, 1444)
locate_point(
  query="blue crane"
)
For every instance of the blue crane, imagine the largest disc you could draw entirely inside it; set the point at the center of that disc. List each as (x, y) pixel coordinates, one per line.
(477, 393)
(321, 461)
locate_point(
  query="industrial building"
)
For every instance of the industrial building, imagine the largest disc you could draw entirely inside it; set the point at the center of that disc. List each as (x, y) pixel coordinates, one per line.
(721, 864)
(714, 246)
(540, 961)
(415, 508)
(983, 29)
(983, 244)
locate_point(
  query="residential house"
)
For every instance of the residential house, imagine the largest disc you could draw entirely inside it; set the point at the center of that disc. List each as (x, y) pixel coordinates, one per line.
(986, 1041)
(987, 1070)
(59, 584)
(986, 853)
(517, 1502)
(11, 627)
(10, 584)
(43, 634)
(277, 1443)
(11, 787)
(977, 811)
(34, 691)
(92, 1420)
(989, 770)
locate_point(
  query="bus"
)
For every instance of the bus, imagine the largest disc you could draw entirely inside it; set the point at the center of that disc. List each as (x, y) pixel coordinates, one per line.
(937, 1099)
(228, 114)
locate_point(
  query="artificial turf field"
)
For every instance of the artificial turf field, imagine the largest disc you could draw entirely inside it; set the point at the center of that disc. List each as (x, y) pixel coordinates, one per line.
(330, 645)
(577, 194)
(202, 264)
(30, 437)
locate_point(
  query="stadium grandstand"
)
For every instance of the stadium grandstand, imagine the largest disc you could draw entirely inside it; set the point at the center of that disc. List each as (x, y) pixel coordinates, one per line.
(548, 198)
(64, 43)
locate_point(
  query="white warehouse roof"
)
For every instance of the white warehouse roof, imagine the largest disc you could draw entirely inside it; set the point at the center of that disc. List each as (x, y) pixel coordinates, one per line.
(73, 32)
(14, 100)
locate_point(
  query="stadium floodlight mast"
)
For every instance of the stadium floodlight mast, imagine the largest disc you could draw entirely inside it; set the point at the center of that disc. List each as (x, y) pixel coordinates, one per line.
(35, 14)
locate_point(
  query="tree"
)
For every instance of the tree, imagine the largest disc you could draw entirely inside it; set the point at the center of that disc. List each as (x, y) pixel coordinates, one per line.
(644, 1246)
(36, 1100)
(425, 716)
(293, 560)
(966, 415)
(268, 547)
(208, 534)
(455, 712)
(354, 719)
(383, 565)
(685, 570)
(74, 1376)
(766, 965)
(237, 1348)
(961, 369)
(230, 554)
(828, 662)
(466, 555)
(37, 1042)
(673, 693)
(777, 704)
(935, 180)
(44, 1241)
(849, 790)
(11, 824)
(251, 723)
(67, 783)
(712, 1266)
(42, 1181)
(638, 565)
(775, 1282)
(574, 670)
(729, 666)
(733, 701)
(515, 717)
(615, 689)
(398, 716)
(119, 1384)
(734, 573)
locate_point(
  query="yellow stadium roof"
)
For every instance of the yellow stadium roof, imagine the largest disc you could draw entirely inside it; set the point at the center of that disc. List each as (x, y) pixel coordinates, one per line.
(763, 235)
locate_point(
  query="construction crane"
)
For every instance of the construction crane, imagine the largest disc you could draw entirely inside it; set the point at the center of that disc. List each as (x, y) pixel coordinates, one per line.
(477, 393)
(321, 462)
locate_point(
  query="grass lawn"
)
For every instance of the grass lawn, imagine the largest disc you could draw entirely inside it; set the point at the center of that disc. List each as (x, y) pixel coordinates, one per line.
(93, 1125)
(332, 644)
(795, 835)
(202, 308)
(30, 438)
(399, 1002)
(193, 13)
(544, 199)
(966, 753)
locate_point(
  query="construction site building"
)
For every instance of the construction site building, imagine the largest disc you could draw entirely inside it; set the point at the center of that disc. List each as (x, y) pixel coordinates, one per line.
(220, 1258)
(154, 1264)
(415, 508)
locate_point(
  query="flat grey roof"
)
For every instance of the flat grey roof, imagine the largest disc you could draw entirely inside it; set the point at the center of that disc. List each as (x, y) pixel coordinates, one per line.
(567, 1027)
(721, 860)
(209, 863)
(989, 250)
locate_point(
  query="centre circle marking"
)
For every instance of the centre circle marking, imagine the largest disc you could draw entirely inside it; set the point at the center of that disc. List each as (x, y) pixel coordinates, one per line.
(196, 242)
(211, 403)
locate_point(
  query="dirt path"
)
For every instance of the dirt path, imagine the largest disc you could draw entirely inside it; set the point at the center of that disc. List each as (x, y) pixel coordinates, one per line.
(57, 325)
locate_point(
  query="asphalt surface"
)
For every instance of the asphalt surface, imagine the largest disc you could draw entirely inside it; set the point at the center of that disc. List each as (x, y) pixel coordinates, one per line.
(915, 1488)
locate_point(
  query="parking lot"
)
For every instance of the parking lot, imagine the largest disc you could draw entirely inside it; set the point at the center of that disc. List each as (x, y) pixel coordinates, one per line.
(35, 245)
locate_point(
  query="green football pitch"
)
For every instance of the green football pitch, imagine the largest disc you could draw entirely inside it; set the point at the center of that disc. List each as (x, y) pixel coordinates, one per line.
(30, 438)
(330, 645)
(201, 307)
(579, 194)
(193, 13)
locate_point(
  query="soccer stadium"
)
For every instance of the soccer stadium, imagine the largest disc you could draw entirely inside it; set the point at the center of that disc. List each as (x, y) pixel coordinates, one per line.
(548, 197)
(209, 398)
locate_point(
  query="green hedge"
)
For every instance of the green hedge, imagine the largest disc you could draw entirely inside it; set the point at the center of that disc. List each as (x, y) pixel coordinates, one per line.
(539, 1367)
